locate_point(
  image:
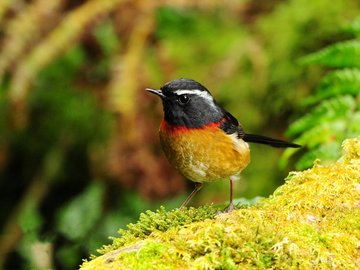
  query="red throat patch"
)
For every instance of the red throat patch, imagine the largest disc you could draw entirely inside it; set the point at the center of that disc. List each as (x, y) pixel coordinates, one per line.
(174, 130)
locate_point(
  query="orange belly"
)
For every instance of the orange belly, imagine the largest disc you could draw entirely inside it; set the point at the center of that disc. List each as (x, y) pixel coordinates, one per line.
(204, 155)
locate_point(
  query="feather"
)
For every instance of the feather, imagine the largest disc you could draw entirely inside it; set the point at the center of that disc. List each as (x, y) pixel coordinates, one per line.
(230, 125)
(269, 141)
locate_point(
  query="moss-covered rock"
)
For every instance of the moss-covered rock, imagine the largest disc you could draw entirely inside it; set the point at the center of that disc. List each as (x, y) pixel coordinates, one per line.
(311, 222)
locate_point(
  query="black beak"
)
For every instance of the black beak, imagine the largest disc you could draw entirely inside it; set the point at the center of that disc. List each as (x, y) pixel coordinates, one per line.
(156, 92)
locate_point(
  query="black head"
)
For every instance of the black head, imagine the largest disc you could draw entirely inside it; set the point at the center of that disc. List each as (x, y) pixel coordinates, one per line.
(188, 103)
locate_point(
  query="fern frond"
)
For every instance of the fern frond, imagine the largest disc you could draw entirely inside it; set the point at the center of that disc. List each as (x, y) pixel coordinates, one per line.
(338, 82)
(312, 138)
(316, 137)
(325, 152)
(342, 54)
(330, 109)
(353, 27)
(322, 133)
(353, 128)
(337, 113)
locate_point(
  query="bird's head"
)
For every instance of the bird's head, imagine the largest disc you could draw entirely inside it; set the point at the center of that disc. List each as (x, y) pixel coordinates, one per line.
(188, 103)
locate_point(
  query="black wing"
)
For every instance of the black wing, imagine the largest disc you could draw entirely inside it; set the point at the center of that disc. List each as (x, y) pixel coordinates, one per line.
(231, 125)
(269, 141)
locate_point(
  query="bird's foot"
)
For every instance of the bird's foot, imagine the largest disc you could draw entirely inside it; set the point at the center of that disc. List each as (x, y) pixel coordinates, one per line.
(228, 209)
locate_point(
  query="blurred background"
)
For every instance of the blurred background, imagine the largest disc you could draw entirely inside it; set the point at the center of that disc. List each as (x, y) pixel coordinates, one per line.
(79, 149)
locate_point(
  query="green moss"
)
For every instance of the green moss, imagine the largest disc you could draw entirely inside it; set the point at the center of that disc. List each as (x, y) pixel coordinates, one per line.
(313, 221)
(159, 221)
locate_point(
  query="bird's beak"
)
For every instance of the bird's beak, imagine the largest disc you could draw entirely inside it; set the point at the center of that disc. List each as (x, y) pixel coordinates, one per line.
(156, 92)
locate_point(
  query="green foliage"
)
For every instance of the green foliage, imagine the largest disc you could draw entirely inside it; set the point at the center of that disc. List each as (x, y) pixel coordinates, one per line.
(78, 217)
(107, 38)
(30, 221)
(291, 31)
(354, 27)
(336, 83)
(65, 115)
(344, 54)
(50, 156)
(334, 108)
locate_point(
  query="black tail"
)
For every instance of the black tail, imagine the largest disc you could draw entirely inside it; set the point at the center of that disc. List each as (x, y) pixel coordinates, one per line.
(269, 141)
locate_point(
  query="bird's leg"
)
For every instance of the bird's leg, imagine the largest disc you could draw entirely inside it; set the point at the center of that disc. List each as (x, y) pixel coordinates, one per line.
(198, 186)
(231, 206)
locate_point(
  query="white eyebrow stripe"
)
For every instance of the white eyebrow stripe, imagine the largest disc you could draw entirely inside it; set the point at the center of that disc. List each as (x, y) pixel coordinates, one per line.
(200, 93)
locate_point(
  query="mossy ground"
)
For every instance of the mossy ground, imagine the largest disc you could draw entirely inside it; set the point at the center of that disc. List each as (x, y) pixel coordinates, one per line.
(311, 222)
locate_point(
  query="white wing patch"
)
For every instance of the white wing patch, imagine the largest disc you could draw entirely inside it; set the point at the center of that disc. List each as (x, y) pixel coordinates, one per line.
(239, 143)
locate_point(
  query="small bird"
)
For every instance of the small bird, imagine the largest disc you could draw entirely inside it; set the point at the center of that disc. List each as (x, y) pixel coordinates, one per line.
(202, 140)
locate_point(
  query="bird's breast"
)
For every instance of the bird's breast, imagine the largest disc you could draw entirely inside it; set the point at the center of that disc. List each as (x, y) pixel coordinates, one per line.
(204, 154)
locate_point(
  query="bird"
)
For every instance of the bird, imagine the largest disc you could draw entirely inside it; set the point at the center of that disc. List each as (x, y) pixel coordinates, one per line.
(202, 140)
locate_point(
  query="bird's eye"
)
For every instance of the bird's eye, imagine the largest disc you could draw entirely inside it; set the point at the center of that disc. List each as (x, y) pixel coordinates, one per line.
(183, 99)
